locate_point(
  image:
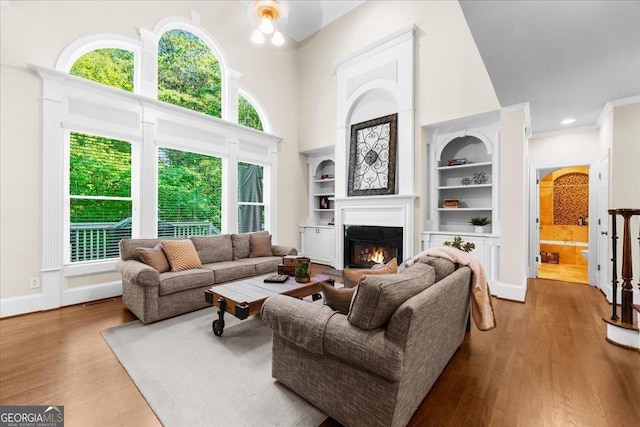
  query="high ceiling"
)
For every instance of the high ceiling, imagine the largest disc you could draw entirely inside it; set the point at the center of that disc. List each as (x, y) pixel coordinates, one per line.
(567, 58)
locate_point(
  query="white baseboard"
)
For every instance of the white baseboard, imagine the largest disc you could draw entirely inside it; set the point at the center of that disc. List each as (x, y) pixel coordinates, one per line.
(509, 291)
(33, 303)
(20, 305)
(91, 293)
(626, 337)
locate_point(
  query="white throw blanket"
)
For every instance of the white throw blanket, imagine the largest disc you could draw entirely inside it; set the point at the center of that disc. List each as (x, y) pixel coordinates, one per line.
(482, 309)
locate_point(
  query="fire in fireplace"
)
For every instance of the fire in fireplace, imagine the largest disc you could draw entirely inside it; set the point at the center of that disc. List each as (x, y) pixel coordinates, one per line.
(365, 246)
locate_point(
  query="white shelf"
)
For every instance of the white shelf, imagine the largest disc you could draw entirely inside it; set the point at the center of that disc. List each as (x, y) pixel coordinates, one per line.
(324, 194)
(318, 181)
(323, 210)
(463, 209)
(471, 186)
(468, 165)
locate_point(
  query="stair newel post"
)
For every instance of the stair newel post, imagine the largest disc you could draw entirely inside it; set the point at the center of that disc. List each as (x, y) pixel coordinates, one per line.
(627, 267)
(614, 261)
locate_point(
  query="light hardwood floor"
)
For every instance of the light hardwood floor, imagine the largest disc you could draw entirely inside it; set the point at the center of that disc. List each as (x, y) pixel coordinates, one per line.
(547, 364)
(564, 272)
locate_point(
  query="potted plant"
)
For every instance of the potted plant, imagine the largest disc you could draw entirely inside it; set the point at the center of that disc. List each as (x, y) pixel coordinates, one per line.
(302, 273)
(480, 223)
(458, 243)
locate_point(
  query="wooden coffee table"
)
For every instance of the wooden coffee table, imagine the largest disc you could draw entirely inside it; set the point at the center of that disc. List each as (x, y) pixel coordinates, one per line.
(244, 298)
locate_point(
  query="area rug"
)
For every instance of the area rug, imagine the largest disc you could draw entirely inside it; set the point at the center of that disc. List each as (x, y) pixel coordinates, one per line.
(190, 377)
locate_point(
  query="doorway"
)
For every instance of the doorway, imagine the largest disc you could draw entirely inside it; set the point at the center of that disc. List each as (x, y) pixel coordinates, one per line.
(563, 231)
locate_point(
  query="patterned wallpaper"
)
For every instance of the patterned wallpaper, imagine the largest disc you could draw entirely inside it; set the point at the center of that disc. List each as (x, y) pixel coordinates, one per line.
(570, 198)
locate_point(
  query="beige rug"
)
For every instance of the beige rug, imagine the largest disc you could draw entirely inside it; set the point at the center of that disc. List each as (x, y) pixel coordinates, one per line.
(190, 377)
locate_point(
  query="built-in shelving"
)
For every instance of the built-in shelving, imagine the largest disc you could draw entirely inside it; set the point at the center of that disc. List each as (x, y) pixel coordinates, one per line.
(317, 236)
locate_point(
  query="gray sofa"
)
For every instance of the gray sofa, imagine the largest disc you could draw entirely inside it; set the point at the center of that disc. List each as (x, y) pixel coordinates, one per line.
(374, 366)
(153, 296)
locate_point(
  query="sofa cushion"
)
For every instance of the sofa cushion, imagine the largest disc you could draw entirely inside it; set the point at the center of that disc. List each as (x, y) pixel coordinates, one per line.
(351, 276)
(226, 271)
(213, 248)
(182, 255)
(379, 296)
(263, 265)
(242, 244)
(155, 258)
(259, 245)
(176, 281)
(338, 299)
(443, 267)
(128, 248)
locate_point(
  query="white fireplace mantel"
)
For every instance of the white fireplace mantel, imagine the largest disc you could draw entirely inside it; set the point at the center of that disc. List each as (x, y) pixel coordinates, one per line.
(384, 211)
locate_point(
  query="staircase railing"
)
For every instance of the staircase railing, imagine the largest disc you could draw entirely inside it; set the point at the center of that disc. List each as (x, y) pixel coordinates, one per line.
(627, 265)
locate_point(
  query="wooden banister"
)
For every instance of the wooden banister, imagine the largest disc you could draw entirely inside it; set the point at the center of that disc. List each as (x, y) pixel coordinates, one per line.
(627, 264)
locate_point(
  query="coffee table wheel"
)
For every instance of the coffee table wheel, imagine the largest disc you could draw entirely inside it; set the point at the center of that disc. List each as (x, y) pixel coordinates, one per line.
(218, 327)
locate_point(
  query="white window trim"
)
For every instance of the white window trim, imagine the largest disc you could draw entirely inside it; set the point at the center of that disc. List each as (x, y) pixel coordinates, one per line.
(145, 122)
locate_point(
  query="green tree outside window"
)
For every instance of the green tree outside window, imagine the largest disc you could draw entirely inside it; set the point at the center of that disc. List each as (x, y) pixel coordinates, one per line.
(247, 114)
(188, 73)
(112, 67)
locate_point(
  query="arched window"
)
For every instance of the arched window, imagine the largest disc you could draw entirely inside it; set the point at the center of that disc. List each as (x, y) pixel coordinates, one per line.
(188, 73)
(247, 114)
(110, 66)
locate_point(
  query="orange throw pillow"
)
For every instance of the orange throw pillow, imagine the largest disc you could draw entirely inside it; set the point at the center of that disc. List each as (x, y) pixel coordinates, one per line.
(182, 255)
(351, 276)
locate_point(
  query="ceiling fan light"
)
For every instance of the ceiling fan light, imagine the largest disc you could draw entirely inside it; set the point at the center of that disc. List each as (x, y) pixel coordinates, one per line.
(257, 37)
(266, 26)
(277, 39)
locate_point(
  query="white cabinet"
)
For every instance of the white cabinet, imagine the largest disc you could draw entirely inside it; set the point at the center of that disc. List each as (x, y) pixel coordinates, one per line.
(317, 243)
(486, 250)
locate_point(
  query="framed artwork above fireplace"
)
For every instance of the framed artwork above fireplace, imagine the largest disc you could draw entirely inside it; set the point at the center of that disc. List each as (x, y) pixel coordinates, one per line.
(372, 157)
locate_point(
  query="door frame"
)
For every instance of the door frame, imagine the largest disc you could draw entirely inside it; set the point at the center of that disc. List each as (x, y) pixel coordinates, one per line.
(540, 170)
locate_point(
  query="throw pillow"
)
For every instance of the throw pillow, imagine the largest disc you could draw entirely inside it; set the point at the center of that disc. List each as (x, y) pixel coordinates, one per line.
(351, 276)
(182, 255)
(242, 244)
(259, 245)
(155, 258)
(379, 296)
(338, 299)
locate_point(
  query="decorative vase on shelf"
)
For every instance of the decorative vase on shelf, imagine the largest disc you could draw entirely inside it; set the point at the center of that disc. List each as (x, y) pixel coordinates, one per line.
(479, 228)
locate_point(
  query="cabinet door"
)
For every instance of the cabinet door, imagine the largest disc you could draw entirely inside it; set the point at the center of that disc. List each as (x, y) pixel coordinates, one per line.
(309, 242)
(326, 245)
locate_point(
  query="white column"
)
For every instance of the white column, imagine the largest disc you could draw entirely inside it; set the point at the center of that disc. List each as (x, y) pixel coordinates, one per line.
(230, 190)
(53, 201)
(144, 179)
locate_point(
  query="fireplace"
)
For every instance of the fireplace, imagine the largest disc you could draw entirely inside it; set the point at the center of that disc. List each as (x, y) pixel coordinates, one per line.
(367, 245)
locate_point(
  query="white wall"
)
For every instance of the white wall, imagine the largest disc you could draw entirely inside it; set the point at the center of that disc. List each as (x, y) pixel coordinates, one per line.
(36, 32)
(451, 79)
(624, 184)
(513, 206)
(572, 147)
